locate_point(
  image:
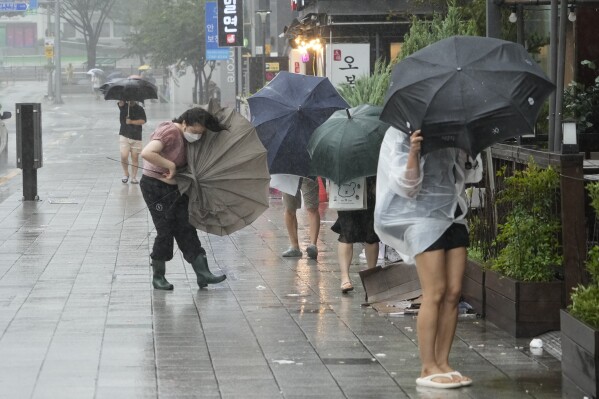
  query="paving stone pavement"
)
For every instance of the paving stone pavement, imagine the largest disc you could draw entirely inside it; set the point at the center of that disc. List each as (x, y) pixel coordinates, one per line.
(79, 318)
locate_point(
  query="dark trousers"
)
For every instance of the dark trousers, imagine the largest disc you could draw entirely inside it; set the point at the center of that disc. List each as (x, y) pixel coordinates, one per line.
(171, 220)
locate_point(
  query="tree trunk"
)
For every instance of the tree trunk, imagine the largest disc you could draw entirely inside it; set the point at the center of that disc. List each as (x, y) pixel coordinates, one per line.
(91, 51)
(206, 91)
(196, 99)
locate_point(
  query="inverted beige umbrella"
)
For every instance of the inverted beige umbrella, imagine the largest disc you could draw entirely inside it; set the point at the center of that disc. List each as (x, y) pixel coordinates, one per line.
(227, 176)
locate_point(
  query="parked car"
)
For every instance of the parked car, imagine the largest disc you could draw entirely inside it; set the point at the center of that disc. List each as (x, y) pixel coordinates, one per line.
(4, 138)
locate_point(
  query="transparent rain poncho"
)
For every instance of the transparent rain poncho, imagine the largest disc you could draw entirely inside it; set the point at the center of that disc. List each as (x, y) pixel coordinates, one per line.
(411, 214)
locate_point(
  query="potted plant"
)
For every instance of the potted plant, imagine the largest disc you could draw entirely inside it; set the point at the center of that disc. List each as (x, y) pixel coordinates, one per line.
(581, 104)
(580, 327)
(522, 294)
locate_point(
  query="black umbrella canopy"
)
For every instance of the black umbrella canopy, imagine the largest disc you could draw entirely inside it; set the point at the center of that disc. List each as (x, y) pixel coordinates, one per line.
(467, 92)
(129, 89)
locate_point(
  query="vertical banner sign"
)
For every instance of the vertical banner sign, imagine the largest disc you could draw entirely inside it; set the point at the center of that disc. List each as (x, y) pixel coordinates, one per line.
(213, 51)
(230, 23)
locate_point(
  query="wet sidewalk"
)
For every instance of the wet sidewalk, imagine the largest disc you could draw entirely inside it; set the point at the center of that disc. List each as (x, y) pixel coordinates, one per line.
(79, 318)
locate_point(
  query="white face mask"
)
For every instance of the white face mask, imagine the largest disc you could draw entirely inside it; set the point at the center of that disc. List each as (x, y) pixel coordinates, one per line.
(190, 137)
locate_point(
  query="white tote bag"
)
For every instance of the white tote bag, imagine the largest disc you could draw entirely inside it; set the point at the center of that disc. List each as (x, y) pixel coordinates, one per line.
(349, 196)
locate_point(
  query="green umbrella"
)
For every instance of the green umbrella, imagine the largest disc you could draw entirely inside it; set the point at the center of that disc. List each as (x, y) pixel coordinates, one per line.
(347, 144)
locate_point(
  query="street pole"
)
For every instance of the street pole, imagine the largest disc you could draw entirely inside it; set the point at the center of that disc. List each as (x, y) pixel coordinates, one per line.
(263, 14)
(263, 52)
(553, 72)
(493, 20)
(559, 81)
(50, 71)
(58, 68)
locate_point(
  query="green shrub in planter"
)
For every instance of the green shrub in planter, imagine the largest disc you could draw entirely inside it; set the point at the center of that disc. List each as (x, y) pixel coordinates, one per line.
(585, 303)
(528, 238)
(580, 328)
(585, 299)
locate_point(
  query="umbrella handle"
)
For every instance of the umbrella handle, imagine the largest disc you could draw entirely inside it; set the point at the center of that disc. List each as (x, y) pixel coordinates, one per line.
(348, 114)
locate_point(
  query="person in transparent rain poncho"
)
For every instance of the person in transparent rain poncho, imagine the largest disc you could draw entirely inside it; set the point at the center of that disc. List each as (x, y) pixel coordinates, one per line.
(420, 210)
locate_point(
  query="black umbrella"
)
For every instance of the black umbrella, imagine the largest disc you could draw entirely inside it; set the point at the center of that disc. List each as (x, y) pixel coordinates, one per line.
(286, 112)
(467, 92)
(129, 89)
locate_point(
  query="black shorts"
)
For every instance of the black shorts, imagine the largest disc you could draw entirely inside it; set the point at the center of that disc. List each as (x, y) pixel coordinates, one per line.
(455, 236)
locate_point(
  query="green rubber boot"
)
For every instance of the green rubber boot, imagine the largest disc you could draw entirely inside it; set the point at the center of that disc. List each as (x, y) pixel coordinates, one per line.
(205, 277)
(158, 280)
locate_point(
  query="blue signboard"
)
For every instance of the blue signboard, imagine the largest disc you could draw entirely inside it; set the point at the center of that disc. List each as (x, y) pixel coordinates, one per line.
(13, 6)
(213, 51)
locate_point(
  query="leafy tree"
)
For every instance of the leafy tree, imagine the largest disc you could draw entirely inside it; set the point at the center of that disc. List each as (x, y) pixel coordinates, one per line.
(172, 33)
(476, 12)
(87, 17)
(423, 32)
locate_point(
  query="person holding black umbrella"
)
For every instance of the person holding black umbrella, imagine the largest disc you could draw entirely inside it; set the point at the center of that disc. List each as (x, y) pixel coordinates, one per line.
(132, 117)
(420, 210)
(163, 155)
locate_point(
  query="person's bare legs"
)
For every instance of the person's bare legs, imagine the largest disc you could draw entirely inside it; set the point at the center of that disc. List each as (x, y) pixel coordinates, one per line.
(345, 252)
(372, 254)
(291, 224)
(432, 275)
(125, 160)
(455, 261)
(314, 220)
(134, 163)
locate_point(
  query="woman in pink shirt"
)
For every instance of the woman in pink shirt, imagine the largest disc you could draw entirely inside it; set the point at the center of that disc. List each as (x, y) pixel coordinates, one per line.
(163, 155)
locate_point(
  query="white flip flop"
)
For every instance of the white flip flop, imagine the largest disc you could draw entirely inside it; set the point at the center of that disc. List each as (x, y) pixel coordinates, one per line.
(460, 376)
(429, 383)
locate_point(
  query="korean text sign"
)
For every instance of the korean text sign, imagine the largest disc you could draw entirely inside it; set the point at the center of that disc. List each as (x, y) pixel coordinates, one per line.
(347, 61)
(230, 23)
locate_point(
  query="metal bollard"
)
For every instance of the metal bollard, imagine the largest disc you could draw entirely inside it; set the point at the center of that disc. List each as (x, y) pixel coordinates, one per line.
(29, 146)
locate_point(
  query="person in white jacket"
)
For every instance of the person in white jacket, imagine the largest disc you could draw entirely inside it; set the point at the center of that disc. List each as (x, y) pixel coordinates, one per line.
(420, 210)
